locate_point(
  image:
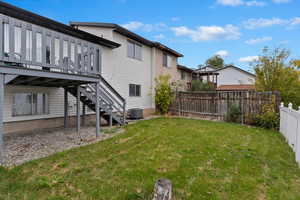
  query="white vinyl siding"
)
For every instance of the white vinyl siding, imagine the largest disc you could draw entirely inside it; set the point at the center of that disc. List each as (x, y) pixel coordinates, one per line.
(134, 50)
(55, 103)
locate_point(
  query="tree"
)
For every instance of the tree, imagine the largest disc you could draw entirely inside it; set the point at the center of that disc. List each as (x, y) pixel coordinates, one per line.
(275, 73)
(216, 62)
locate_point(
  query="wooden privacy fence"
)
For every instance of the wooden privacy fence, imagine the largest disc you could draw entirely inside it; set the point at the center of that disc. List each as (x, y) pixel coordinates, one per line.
(216, 104)
(290, 128)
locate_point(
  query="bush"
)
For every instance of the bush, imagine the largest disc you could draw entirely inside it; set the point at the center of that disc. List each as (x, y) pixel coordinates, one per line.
(163, 94)
(268, 119)
(198, 85)
(234, 113)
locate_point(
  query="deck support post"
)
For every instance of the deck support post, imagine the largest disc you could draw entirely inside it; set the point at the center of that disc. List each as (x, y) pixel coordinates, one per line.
(78, 108)
(1, 118)
(83, 114)
(97, 109)
(110, 116)
(66, 107)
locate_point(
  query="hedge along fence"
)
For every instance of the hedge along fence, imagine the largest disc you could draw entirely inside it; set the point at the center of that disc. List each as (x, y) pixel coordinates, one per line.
(290, 127)
(216, 104)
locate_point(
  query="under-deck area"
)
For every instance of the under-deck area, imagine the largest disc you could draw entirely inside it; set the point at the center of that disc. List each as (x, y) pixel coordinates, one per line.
(38, 52)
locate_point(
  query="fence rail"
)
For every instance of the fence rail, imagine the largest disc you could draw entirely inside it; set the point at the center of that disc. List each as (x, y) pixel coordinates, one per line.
(290, 127)
(217, 103)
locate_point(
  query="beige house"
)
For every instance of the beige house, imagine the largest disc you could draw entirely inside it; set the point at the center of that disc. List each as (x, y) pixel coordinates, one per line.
(184, 75)
(166, 61)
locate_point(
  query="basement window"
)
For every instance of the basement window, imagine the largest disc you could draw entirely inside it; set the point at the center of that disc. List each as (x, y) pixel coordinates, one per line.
(25, 104)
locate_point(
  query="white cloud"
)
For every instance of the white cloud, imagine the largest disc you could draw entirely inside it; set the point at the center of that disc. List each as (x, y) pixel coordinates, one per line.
(136, 25)
(254, 23)
(222, 53)
(249, 59)
(281, 1)
(241, 3)
(295, 21)
(230, 2)
(258, 40)
(255, 3)
(159, 36)
(262, 22)
(175, 19)
(208, 33)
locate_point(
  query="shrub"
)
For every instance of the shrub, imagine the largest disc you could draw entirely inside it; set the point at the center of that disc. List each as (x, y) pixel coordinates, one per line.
(198, 85)
(163, 94)
(234, 113)
(268, 119)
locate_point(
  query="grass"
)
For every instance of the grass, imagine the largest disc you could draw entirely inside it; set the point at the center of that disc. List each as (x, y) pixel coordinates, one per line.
(203, 159)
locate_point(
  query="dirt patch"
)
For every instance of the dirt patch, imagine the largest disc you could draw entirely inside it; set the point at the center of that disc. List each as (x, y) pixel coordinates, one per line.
(23, 147)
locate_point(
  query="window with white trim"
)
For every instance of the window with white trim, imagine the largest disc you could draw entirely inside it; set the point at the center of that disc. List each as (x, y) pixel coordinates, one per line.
(167, 60)
(29, 45)
(134, 50)
(6, 39)
(48, 49)
(134, 90)
(30, 104)
(56, 51)
(39, 51)
(17, 41)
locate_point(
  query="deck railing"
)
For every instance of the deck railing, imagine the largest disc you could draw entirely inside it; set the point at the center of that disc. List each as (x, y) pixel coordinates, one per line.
(28, 45)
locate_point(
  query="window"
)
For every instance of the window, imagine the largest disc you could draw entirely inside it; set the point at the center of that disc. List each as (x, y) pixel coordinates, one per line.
(134, 90)
(98, 60)
(167, 60)
(56, 51)
(182, 75)
(79, 60)
(28, 45)
(85, 57)
(72, 52)
(18, 37)
(65, 53)
(6, 39)
(92, 60)
(39, 47)
(30, 104)
(134, 50)
(48, 50)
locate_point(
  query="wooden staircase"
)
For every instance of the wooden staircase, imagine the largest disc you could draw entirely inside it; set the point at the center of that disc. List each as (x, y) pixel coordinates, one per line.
(112, 104)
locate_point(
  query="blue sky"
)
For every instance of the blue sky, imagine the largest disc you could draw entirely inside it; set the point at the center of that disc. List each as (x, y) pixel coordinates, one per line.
(235, 29)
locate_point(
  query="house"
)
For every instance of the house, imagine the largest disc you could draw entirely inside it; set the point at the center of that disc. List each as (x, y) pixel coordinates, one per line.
(230, 76)
(133, 67)
(48, 65)
(184, 75)
(51, 74)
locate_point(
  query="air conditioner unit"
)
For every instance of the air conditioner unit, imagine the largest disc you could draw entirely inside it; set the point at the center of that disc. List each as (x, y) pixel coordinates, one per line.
(135, 113)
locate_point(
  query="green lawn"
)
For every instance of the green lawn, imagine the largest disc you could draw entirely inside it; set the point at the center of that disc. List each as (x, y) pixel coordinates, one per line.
(203, 159)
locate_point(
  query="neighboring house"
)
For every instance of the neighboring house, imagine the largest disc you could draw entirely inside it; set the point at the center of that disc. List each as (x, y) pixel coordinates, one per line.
(133, 67)
(229, 75)
(184, 75)
(48, 71)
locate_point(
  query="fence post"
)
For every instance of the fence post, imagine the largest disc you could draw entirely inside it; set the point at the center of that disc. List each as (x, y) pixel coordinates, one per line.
(290, 106)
